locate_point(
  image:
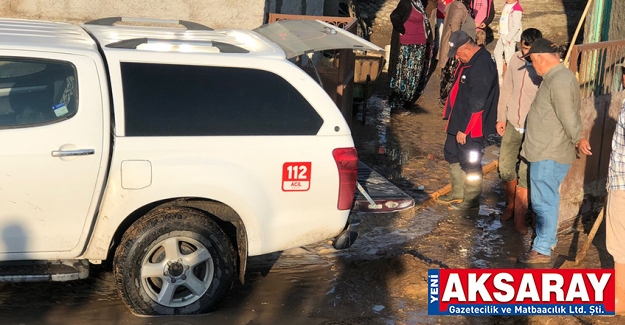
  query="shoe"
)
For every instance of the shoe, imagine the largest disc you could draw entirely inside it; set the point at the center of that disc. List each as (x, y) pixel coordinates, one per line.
(534, 257)
(457, 176)
(509, 190)
(471, 197)
(520, 209)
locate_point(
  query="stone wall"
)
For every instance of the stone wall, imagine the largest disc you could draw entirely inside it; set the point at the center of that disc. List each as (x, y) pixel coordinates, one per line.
(245, 14)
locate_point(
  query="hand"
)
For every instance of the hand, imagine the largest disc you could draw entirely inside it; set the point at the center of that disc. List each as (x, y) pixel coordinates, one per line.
(461, 138)
(501, 128)
(584, 146)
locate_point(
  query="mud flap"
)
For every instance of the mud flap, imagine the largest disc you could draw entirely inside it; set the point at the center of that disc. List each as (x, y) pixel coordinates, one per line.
(242, 251)
(349, 235)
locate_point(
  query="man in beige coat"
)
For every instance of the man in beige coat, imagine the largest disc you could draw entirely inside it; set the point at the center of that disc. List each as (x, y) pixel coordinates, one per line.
(517, 93)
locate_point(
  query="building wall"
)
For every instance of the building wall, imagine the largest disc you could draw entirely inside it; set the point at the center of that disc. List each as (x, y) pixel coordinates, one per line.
(296, 7)
(586, 180)
(246, 14)
(331, 8)
(617, 28)
(605, 21)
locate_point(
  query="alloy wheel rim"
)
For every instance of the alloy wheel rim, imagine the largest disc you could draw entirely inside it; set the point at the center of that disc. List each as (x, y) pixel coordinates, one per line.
(177, 271)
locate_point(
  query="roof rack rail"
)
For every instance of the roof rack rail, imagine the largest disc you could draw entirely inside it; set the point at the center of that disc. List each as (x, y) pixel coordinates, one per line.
(133, 43)
(110, 21)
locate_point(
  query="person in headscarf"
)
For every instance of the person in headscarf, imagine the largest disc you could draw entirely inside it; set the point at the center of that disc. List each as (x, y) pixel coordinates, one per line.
(458, 17)
(411, 53)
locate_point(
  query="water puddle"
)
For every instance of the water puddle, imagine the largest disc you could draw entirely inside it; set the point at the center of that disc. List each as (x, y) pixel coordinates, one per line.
(284, 292)
(377, 114)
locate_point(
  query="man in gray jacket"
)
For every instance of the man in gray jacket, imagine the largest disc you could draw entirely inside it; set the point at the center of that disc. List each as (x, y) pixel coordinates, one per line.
(517, 93)
(554, 129)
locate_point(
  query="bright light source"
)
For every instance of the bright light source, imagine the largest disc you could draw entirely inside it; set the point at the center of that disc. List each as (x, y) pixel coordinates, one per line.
(473, 177)
(156, 46)
(185, 48)
(246, 40)
(473, 156)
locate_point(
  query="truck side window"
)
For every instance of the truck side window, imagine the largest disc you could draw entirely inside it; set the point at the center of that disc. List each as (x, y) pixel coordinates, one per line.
(180, 100)
(35, 92)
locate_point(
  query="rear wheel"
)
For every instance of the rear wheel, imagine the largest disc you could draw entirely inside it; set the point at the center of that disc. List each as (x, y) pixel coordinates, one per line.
(174, 261)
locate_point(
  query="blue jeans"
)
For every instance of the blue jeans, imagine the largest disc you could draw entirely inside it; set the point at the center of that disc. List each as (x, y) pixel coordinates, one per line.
(545, 179)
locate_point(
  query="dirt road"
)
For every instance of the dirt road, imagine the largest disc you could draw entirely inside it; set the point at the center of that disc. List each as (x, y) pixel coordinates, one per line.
(380, 280)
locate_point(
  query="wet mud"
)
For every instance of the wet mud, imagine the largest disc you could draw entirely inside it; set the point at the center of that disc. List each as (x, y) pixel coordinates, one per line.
(380, 280)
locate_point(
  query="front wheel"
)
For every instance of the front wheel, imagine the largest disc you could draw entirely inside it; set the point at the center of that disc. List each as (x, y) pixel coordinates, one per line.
(174, 261)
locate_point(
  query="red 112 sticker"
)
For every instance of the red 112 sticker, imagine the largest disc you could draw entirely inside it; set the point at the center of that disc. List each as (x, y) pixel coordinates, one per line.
(296, 176)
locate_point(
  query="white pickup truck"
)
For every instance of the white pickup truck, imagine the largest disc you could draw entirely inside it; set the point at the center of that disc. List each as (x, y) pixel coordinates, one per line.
(174, 152)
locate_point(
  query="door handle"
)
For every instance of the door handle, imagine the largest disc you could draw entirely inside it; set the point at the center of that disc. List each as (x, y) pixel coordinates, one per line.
(71, 153)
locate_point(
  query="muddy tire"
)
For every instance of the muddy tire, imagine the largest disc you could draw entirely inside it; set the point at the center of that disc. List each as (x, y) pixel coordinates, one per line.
(174, 261)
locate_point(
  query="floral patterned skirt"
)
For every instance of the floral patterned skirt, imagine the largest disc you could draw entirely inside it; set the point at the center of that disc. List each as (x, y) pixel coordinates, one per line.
(411, 74)
(447, 78)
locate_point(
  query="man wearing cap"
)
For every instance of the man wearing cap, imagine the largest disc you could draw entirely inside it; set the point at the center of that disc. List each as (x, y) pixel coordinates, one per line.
(554, 129)
(471, 111)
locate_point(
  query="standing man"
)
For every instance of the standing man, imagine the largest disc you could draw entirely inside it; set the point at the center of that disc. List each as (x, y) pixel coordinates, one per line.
(554, 129)
(519, 88)
(471, 110)
(615, 218)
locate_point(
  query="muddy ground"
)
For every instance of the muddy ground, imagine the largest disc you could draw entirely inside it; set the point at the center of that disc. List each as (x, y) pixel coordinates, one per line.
(382, 278)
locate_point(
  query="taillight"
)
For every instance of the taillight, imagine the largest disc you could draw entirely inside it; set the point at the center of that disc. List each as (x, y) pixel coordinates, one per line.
(347, 163)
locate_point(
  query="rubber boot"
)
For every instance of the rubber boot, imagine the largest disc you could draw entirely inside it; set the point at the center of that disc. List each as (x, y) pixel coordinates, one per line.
(619, 275)
(509, 190)
(472, 192)
(457, 176)
(520, 209)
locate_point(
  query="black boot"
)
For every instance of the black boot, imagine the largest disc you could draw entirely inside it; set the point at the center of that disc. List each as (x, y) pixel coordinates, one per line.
(457, 176)
(472, 192)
